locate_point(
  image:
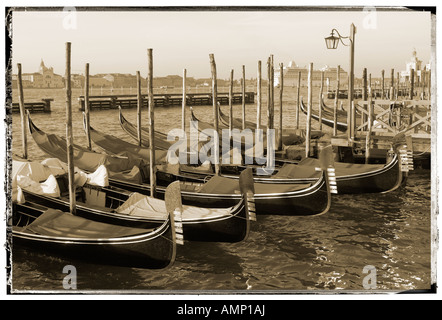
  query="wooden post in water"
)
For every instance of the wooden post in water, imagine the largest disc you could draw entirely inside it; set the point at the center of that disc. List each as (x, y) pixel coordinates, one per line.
(69, 137)
(231, 102)
(411, 84)
(309, 111)
(335, 106)
(370, 127)
(364, 93)
(270, 114)
(272, 87)
(258, 97)
(297, 100)
(349, 117)
(153, 178)
(281, 90)
(429, 84)
(139, 106)
(321, 90)
(215, 112)
(364, 84)
(392, 84)
(86, 107)
(243, 94)
(21, 104)
(383, 84)
(183, 103)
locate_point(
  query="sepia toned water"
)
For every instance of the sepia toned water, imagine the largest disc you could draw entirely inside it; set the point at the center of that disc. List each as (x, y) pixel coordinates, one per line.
(387, 236)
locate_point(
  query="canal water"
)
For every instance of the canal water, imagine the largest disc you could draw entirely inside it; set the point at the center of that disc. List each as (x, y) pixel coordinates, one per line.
(366, 242)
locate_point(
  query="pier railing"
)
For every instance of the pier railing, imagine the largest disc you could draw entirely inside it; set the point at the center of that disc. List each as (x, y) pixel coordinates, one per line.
(412, 117)
(43, 106)
(162, 100)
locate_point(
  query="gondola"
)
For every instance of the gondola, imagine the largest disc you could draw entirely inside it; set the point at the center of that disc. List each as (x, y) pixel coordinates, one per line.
(327, 119)
(237, 123)
(220, 192)
(291, 136)
(110, 204)
(330, 111)
(49, 230)
(161, 141)
(350, 177)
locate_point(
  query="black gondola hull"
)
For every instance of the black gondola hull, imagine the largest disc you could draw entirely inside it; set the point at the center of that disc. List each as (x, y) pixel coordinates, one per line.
(152, 248)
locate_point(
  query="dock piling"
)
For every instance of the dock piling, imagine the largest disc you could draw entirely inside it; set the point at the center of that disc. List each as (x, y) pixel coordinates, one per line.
(243, 94)
(152, 178)
(231, 101)
(86, 107)
(215, 113)
(184, 102)
(321, 89)
(335, 106)
(21, 102)
(69, 134)
(281, 92)
(309, 111)
(139, 106)
(258, 97)
(297, 100)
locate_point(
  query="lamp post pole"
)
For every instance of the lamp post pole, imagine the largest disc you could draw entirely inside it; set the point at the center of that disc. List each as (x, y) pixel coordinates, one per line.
(351, 131)
(332, 43)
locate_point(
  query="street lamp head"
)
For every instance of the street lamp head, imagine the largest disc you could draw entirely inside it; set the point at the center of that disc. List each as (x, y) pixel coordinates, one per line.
(332, 42)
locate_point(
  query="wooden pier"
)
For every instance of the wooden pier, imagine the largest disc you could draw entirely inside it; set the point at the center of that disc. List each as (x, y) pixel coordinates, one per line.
(43, 106)
(162, 100)
(373, 134)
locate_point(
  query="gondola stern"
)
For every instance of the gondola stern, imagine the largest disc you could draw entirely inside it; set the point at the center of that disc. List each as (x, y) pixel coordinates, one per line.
(247, 188)
(174, 209)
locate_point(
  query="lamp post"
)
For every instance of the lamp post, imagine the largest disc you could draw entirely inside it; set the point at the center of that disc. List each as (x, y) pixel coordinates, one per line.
(332, 43)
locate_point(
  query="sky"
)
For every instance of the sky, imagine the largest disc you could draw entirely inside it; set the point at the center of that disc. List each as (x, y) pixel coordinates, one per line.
(117, 41)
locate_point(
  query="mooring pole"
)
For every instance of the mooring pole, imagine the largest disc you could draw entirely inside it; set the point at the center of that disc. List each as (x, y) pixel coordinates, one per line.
(86, 107)
(411, 84)
(69, 137)
(364, 93)
(243, 94)
(258, 97)
(335, 106)
(383, 84)
(269, 95)
(297, 100)
(281, 92)
(321, 90)
(183, 103)
(215, 113)
(139, 106)
(370, 127)
(270, 115)
(231, 101)
(21, 103)
(309, 111)
(153, 180)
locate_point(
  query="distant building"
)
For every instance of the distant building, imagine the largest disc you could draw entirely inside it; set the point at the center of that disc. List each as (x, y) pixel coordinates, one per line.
(125, 80)
(44, 78)
(416, 65)
(291, 74)
(98, 81)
